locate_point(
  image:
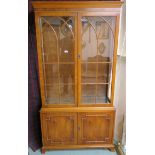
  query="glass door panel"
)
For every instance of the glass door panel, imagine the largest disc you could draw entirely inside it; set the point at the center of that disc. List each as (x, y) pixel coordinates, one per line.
(51, 74)
(58, 52)
(52, 93)
(88, 72)
(97, 48)
(88, 93)
(103, 72)
(101, 94)
(67, 93)
(67, 73)
(67, 49)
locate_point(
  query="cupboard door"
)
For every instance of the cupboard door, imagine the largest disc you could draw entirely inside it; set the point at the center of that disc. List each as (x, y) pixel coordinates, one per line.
(58, 58)
(59, 128)
(95, 128)
(96, 47)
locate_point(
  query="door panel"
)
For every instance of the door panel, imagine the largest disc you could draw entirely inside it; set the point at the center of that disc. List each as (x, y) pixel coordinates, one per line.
(96, 50)
(59, 128)
(58, 33)
(95, 128)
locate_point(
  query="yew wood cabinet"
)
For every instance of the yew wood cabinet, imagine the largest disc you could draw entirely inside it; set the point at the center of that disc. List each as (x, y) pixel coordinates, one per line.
(77, 45)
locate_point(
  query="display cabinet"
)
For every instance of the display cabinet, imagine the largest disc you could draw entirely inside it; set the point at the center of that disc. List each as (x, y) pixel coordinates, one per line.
(77, 45)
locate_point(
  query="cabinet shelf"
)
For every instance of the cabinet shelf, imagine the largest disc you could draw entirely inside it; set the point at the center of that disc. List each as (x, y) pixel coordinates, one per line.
(95, 83)
(65, 100)
(96, 62)
(94, 100)
(56, 63)
(56, 84)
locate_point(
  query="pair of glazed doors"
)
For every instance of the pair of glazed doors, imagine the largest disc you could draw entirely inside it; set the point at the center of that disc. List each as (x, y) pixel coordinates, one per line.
(77, 57)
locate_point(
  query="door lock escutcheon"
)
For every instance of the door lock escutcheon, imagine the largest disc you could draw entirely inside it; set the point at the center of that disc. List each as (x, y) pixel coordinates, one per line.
(78, 56)
(78, 128)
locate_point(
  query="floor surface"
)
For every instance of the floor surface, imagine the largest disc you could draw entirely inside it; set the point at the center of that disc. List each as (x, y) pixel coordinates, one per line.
(75, 152)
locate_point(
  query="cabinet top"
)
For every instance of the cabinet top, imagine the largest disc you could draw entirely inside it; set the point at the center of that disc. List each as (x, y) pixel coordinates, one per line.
(37, 5)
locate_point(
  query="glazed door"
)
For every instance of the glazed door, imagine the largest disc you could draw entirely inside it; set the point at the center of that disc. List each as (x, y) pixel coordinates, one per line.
(97, 56)
(77, 58)
(58, 58)
(59, 128)
(95, 128)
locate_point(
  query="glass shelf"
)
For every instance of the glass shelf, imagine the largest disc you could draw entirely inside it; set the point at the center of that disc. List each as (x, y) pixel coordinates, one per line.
(53, 63)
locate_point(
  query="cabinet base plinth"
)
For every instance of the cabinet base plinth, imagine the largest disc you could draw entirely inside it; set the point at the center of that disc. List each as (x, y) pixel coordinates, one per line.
(111, 147)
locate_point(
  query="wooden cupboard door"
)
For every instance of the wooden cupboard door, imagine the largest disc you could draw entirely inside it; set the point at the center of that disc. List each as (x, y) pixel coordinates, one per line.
(59, 128)
(95, 128)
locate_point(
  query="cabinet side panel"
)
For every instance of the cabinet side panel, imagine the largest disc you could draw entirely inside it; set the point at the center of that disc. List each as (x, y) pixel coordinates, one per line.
(115, 58)
(39, 58)
(42, 118)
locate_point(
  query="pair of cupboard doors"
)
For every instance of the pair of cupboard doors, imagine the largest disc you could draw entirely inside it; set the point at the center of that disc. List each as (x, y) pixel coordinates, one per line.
(72, 129)
(77, 57)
